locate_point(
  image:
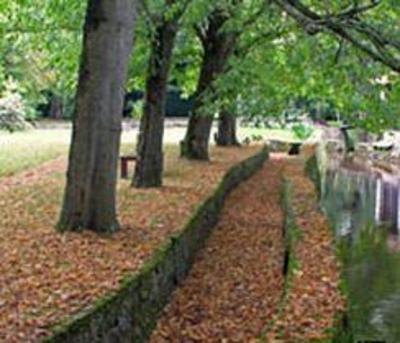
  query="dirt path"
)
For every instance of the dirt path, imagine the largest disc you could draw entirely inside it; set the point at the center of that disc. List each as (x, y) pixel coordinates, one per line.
(236, 282)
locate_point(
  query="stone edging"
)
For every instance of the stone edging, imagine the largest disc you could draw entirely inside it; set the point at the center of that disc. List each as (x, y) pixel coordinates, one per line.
(289, 230)
(130, 314)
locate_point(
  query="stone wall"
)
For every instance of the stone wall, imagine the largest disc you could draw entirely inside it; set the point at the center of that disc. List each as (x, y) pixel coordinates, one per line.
(131, 314)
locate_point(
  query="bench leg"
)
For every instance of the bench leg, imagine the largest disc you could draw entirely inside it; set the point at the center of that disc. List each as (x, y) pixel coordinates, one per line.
(294, 149)
(124, 169)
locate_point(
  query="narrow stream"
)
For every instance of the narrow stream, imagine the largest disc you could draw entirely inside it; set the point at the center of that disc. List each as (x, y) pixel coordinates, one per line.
(364, 208)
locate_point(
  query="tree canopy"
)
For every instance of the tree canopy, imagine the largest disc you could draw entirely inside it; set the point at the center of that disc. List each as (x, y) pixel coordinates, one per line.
(344, 52)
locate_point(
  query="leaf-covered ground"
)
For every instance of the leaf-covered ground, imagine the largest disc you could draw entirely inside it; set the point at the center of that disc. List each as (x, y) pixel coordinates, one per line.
(313, 300)
(236, 290)
(45, 277)
(236, 282)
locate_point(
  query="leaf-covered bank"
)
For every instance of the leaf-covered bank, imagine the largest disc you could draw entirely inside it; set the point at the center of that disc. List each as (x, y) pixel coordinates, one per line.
(47, 277)
(313, 299)
(236, 282)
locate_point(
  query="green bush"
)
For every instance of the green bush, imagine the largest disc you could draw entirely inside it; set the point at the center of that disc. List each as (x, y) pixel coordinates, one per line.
(137, 109)
(302, 131)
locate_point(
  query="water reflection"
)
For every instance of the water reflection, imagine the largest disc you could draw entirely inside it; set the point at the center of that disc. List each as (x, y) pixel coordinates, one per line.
(363, 206)
(356, 196)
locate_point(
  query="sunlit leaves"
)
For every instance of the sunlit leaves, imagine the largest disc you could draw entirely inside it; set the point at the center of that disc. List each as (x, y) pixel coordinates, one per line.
(274, 61)
(41, 45)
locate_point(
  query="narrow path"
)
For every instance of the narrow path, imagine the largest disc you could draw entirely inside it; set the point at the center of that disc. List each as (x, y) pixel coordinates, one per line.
(236, 282)
(313, 302)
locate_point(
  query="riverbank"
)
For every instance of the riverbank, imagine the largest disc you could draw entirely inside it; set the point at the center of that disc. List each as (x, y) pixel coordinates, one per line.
(362, 205)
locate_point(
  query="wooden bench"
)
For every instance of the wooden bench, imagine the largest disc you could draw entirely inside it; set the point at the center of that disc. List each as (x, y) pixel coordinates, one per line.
(124, 165)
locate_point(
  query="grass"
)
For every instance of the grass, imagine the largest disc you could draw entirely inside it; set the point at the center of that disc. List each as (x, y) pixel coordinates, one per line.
(334, 123)
(25, 150)
(273, 134)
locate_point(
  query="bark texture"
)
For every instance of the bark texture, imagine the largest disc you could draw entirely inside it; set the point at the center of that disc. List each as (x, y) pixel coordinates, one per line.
(90, 194)
(149, 164)
(218, 45)
(56, 107)
(226, 135)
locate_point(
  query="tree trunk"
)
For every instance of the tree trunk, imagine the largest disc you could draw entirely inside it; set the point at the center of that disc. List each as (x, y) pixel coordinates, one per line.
(90, 194)
(149, 164)
(218, 45)
(348, 140)
(226, 135)
(195, 144)
(56, 107)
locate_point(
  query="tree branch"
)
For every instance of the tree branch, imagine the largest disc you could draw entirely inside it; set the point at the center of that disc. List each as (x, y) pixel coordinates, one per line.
(345, 24)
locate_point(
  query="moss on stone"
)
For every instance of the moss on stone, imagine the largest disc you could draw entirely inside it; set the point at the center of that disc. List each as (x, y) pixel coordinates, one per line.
(313, 172)
(131, 313)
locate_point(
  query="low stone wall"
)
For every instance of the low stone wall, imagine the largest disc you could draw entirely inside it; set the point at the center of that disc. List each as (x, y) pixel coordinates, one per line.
(131, 314)
(313, 171)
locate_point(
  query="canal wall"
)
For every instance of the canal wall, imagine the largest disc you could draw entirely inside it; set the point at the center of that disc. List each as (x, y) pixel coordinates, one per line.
(131, 313)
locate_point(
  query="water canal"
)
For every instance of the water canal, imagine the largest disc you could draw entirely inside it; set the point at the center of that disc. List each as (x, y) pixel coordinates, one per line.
(363, 205)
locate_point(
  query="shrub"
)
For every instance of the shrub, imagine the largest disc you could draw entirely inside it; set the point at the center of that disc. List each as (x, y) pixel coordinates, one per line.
(12, 112)
(302, 131)
(137, 109)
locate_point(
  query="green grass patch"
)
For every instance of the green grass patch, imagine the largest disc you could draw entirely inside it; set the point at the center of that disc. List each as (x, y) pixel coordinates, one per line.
(25, 150)
(273, 134)
(28, 149)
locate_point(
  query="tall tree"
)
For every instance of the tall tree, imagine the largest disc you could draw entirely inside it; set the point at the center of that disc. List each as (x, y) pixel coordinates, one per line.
(149, 165)
(227, 121)
(217, 44)
(219, 35)
(226, 135)
(90, 194)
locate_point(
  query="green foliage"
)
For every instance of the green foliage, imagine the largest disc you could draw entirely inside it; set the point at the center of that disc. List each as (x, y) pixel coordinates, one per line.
(40, 46)
(290, 64)
(187, 54)
(137, 109)
(274, 61)
(302, 131)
